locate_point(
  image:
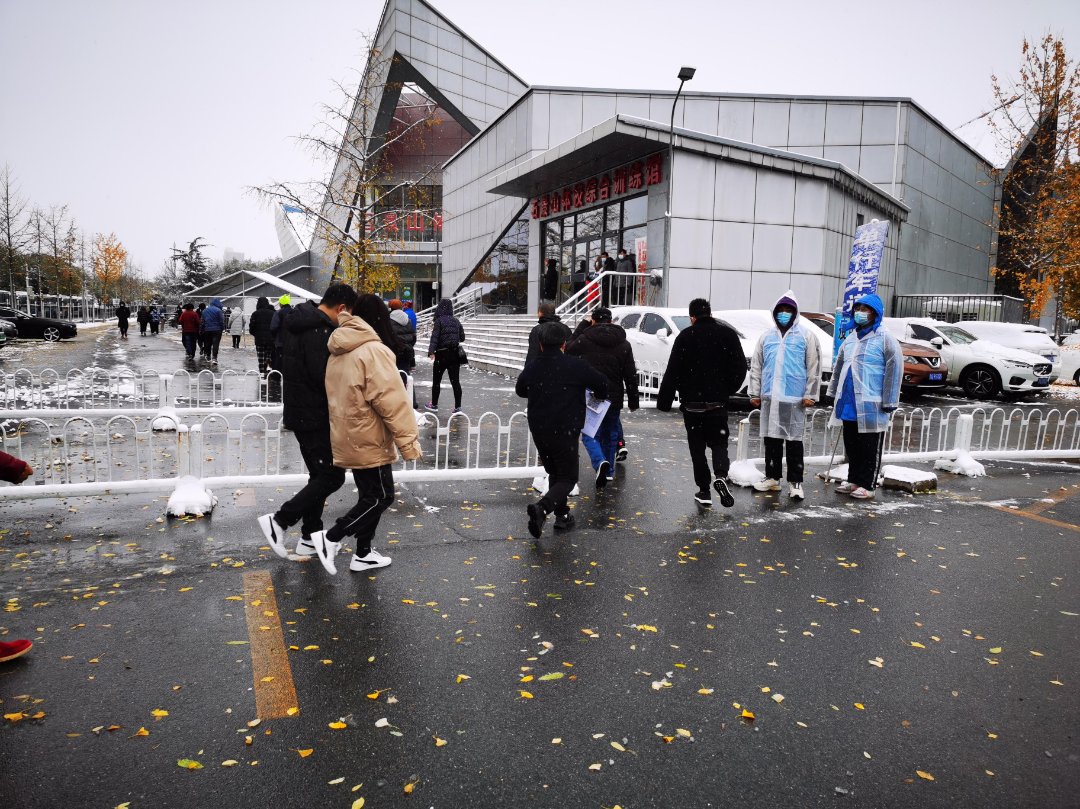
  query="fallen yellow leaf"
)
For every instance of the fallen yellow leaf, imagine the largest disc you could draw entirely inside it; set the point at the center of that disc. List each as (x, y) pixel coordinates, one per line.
(748, 715)
(337, 726)
(924, 775)
(860, 706)
(917, 645)
(305, 753)
(463, 677)
(618, 747)
(996, 650)
(525, 694)
(409, 787)
(157, 713)
(14, 717)
(705, 691)
(596, 766)
(142, 732)
(358, 803)
(292, 711)
(439, 742)
(232, 762)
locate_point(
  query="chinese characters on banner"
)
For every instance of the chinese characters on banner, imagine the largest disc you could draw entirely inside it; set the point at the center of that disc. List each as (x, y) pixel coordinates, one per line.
(409, 226)
(623, 180)
(863, 270)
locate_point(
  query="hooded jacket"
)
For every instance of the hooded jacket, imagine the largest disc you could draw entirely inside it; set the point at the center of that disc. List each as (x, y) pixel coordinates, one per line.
(369, 410)
(706, 366)
(555, 385)
(534, 336)
(867, 374)
(277, 324)
(188, 321)
(605, 347)
(785, 370)
(304, 355)
(259, 324)
(447, 332)
(406, 337)
(213, 318)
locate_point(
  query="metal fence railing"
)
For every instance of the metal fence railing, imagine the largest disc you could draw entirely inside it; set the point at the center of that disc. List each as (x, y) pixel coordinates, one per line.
(960, 307)
(610, 289)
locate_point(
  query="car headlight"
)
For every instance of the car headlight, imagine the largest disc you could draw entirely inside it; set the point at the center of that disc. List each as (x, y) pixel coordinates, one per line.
(1016, 364)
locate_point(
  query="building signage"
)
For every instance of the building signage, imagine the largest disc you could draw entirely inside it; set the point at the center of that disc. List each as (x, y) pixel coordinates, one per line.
(599, 189)
(864, 266)
(405, 221)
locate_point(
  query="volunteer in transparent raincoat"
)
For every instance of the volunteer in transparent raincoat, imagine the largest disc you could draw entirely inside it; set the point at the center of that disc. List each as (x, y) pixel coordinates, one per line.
(784, 374)
(866, 386)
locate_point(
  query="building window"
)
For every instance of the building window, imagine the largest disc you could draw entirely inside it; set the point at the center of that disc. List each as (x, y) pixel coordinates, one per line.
(503, 276)
(859, 219)
(409, 213)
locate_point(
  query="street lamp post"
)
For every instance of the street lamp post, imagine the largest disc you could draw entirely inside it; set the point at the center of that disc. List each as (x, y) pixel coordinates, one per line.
(685, 74)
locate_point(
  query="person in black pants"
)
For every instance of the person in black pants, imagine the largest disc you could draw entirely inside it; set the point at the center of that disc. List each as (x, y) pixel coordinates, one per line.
(446, 337)
(306, 412)
(555, 386)
(706, 366)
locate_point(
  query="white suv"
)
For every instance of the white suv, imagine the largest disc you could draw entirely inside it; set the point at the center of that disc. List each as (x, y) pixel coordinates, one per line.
(1035, 339)
(982, 368)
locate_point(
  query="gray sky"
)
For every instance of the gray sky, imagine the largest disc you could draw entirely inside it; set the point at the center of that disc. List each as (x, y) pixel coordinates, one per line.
(150, 118)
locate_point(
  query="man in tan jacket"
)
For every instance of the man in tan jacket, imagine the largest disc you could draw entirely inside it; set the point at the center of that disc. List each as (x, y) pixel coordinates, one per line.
(369, 416)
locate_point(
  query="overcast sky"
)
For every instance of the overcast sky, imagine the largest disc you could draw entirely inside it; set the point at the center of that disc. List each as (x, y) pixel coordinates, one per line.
(151, 118)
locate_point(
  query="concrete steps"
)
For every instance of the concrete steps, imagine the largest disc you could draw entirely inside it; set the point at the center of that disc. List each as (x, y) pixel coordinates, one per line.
(498, 343)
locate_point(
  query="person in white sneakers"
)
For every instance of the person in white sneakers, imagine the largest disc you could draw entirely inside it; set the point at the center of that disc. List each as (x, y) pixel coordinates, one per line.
(370, 414)
(866, 384)
(784, 374)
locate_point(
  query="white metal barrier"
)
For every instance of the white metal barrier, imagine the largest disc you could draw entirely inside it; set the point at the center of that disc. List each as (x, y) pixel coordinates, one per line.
(100, 388)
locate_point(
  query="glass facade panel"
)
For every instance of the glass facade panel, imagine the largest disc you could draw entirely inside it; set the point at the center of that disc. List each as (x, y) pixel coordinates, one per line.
(503, 277)
(407, 214)
(635, 211)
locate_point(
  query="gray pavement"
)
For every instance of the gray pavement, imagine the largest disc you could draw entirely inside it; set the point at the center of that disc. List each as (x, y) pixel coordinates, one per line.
(871, 642)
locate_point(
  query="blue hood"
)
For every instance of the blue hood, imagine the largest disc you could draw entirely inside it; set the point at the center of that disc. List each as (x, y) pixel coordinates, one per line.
(216, 302)
(875, 303)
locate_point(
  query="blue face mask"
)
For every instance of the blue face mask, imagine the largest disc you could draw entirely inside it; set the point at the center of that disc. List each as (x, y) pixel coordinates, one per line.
(861, 318)
(783, 318)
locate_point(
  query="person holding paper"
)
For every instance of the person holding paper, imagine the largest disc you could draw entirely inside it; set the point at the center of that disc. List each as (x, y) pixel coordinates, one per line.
(555, 386)
(604, 346)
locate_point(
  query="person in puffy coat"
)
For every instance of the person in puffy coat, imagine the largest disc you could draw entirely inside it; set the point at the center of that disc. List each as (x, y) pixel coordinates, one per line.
(866, 385)
(370, 422)
(189, 322)
(213, 324)
(142, 317)
(259, 327)
(447, 334)
(784, 380)
(406, 341)
(237, 321)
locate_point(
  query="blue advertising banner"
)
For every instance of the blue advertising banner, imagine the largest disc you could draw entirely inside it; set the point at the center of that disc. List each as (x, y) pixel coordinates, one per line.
(863, 270)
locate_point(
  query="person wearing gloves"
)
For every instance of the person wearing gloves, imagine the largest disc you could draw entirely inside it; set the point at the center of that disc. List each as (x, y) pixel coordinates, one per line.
(369, 416)
(784, 373)
(866, 387)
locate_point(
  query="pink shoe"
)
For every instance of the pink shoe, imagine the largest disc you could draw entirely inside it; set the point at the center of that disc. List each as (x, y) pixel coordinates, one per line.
(862, 494)
(10, 649)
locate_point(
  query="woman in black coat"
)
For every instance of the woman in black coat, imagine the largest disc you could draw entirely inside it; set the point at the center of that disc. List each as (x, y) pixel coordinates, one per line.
(446, 338)
(259, 326)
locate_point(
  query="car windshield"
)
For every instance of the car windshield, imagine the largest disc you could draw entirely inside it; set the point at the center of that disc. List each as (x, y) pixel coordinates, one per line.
(682, 322)
(957, 335)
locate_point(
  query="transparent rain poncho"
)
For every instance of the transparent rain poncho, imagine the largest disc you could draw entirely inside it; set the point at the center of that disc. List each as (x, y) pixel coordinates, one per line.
(785, 370)
(875, 364)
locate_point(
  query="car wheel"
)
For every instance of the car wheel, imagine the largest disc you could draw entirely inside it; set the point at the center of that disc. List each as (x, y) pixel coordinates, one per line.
(980, 382)
(51, 333)
(1076, 377)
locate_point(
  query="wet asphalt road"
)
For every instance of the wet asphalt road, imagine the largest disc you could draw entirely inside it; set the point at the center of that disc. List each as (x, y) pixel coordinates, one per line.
(935, 635)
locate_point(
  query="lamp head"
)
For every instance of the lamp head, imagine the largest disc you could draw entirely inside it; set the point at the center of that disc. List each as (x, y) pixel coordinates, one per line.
(687, 73)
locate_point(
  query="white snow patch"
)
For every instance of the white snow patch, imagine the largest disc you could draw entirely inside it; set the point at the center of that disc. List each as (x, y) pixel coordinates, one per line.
(166, 420)
(744, 473)
(906, 474)
(963, 464)
(190, 497)
(540, 485)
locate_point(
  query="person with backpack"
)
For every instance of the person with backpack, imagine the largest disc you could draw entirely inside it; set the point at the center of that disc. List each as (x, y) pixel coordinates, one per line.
(189, 323)
(142, 317)
(405, 352)
(213, 324)
(444, 348)
(259, 327)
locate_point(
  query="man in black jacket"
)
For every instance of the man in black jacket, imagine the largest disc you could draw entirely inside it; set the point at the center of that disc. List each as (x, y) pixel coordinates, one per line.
(706, 366)
(545, 313)
(604, 346)
(306, 413)
(259, 326)
(555, 386)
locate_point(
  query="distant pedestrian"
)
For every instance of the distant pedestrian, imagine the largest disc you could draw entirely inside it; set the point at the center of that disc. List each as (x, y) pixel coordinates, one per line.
(202, 337)
(155, 320)
(14, 470)
(259, 327)
(866, 386)
(447, 335)
(604, 346)
(277, 329)
(142, 317)
(785, 374)
(545, 313)
(189, 322)
(213, 324)
(555, 386)
(307, 414)
(579, 278)
(405, 352)
(411, 312)
(237, 321)
(370, 423)
(608, 282)
(625, 284)
(706, 366)
(551, 280)
(176, 316)
(122, 315)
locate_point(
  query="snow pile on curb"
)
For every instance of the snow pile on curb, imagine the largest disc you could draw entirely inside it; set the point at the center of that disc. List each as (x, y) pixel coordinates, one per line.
(540, 486)
(744, 473)
(963, 464)
(191, 498)
(166, 420)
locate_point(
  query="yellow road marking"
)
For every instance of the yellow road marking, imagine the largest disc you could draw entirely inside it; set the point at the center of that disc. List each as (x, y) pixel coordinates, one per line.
(275, 692)
(1037, 517)
(1057, 499)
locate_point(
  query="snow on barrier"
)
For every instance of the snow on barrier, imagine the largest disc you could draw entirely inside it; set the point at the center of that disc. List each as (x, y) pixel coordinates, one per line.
(953, 439)
(77, 453)
(115, 389)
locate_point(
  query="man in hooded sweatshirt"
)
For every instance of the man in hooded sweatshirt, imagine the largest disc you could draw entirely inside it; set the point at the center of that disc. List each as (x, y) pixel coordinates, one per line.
(213, 324)
(306, 412)
(370, 423)
(604, 346)
(545, 313)
(784, 374)
(866, 386)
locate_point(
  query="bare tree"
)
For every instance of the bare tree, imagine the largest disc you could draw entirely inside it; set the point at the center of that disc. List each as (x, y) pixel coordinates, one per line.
(14, 230)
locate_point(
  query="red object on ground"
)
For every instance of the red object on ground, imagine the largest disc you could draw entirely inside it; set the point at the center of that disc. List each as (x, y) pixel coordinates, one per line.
(11, 468)
(10, 649)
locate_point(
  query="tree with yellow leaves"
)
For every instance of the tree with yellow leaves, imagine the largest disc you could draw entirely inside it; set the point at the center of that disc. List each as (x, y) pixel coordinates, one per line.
(110, 257)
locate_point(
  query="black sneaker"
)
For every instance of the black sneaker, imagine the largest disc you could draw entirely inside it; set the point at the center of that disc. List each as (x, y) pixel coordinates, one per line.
(721, 487)
(602, 474)
(537, 516)
(621, 455)
(703, 498)
(565, 522)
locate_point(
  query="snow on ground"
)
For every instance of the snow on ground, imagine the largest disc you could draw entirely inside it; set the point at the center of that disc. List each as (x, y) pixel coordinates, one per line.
(191, 498)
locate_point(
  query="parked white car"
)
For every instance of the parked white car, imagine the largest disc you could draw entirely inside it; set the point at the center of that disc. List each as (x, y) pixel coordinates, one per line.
(651, 331)
(982, 368)
(1070, 363)
(1025, 337)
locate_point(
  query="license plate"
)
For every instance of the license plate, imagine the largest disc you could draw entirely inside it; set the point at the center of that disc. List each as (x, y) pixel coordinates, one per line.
(935, 377)
(1041, 382)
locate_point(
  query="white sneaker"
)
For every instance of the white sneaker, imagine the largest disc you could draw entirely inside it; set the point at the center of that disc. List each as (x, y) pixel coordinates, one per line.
(796, 492)
(768, 485)
(326, 551)
(845, 487)
(274, 533)
(373, 560)
(305, 548)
